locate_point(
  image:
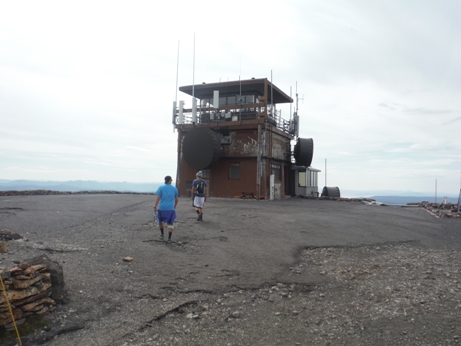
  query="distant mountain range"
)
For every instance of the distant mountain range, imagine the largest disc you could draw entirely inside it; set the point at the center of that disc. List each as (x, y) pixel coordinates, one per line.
(76, 185)
(400, 197)
(403, 200)
(384, 196)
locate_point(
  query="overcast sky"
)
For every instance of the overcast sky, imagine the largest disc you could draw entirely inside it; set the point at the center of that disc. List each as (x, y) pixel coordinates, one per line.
(86, 88)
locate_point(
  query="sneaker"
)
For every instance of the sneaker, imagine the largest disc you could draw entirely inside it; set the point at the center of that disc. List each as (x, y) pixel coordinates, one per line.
(161, 237)
(168, 241)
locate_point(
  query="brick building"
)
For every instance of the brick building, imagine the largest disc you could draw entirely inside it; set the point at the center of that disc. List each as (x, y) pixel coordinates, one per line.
(234, 134)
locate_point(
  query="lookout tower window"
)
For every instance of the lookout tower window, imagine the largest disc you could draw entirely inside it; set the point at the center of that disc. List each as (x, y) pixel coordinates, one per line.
(302, 179)
(234, 170)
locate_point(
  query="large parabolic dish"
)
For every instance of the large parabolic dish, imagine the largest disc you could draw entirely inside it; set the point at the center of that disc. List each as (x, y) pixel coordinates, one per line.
(304, 151)
(201, 148)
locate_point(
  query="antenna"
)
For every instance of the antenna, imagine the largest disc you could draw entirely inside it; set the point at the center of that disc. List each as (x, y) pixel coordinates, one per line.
(296, 111)
(295, 115)
(177, 73)
(193, 70)
(175, 102)
(194, 100)
(325, 172)
(240, 91)
(272, 98)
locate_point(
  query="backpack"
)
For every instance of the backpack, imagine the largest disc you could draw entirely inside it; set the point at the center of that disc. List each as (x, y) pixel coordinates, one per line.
(200, 188)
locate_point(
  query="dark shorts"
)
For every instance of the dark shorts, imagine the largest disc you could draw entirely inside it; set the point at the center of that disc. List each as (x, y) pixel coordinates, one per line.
(167, 216)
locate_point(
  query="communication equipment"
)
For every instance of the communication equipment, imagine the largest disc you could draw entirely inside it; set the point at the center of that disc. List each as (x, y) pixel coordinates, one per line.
(181, 113)
(225, 140)
(216, 99)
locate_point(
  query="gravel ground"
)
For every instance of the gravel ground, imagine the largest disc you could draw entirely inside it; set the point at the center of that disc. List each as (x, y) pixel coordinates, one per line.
(247, 275)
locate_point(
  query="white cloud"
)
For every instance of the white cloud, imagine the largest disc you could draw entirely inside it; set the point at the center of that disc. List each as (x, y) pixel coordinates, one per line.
(86, 89)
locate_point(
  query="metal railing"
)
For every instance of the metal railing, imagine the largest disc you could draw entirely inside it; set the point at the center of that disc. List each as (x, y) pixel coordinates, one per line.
(211, 115)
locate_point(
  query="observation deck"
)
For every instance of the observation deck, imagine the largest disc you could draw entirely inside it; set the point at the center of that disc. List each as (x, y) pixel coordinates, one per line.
(242, 102)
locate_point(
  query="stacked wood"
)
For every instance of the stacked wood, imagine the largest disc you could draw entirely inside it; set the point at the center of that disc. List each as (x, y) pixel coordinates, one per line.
(28, 288)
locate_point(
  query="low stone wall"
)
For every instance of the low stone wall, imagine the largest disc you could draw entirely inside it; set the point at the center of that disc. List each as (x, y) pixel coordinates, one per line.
(443, 210)
(30, 290)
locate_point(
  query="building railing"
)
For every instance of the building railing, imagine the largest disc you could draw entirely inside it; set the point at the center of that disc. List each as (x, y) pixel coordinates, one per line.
(210, 115)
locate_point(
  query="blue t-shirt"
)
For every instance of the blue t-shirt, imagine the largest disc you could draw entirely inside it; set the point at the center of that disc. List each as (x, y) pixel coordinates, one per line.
(167, 194)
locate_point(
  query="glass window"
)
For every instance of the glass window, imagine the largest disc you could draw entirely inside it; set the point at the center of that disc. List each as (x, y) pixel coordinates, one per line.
(250, 99)
(205, 173)
(276, 171)
(234, 170)
(311, 178)
(302, 179)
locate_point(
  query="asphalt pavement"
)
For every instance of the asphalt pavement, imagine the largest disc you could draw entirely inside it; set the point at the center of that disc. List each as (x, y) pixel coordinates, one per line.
(240, 243)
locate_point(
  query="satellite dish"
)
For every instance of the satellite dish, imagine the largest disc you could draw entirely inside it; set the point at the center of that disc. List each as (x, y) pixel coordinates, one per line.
(304, 151)
(201, 148)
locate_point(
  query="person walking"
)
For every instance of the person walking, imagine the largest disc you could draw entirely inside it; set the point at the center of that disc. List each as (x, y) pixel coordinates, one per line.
(166, 202)
(199, 192)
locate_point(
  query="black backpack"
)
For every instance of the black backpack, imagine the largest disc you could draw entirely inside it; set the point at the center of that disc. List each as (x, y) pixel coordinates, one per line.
(200, 189)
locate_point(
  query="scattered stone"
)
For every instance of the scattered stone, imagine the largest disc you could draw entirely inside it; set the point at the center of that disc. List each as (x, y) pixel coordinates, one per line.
(236, 314)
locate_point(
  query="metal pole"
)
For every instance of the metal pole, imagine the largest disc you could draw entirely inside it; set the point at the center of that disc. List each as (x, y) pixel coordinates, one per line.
(178, 177)
(325, 172)
(258, 168)
(193, 70)
(177, 73)
(459, 197)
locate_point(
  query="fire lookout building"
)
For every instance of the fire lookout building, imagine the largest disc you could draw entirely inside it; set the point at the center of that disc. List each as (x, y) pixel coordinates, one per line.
(235, 135)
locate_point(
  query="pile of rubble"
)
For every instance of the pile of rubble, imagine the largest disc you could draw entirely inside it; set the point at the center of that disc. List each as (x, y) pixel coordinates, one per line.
(31, 289)
(442, 210)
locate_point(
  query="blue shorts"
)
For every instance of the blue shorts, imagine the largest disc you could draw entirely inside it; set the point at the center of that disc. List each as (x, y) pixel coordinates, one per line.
(166, 216)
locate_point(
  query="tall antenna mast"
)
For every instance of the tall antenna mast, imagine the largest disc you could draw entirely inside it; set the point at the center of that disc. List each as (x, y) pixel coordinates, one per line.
(194, 100)
(175, 102)
(240, 92)
(193, 70)
(272, 97)
(177, 73)
(296, 111)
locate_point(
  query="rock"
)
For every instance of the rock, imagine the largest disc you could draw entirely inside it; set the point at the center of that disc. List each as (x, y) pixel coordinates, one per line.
(56, 275)
(236, 314)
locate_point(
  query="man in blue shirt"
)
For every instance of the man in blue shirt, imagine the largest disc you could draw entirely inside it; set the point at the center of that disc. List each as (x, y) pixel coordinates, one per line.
(167, 196)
